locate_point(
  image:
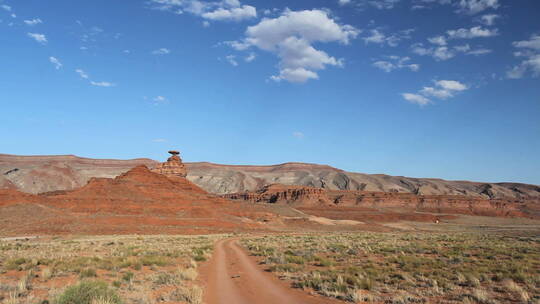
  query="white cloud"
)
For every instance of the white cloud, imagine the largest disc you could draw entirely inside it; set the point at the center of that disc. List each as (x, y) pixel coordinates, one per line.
(291, 37)
(479, 52)
(33, 22)
(344, 2)
(489, 19)
(235, 13)
(160, 100)
(38, 37)
(56, 62)
(102, 84)
(443, 89)
(377, 37)
(442, 53)
(437, 93)
(416, 99)
(438, 40)
(531, 55)
(225, 10)
(396, 62)
(451, 85)
(250, 57)
(232, 60)
(475, 6)
(532, 43)
(6, 7)
(379, 4)
(298, 134)
(161, 51)
(81, 73)
(473, 32)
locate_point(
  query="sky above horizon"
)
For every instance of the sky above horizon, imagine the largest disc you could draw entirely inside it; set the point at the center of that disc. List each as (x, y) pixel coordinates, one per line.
(422, 88)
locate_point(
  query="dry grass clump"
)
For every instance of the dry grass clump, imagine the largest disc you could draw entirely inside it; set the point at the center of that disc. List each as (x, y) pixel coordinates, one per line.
(135, 267)
(456, 267)
(191, 295)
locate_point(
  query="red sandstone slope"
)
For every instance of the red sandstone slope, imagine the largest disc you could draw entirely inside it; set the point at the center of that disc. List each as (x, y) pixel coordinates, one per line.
(336, 200)
(138, 201)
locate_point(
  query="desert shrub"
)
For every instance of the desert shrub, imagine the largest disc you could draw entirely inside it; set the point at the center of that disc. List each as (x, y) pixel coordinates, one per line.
(154, 260)
(187, 274)
(192, 295)
(87, 273)
(89, 292)
(164, 278)
(128, 276)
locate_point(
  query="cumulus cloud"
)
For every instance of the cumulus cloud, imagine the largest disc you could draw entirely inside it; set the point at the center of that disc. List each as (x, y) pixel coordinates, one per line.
(443, 89)
(475, 6)
(416, 99)
(291, 37)
(225, 10)
(529, 51)
(473, 32)
(161, 51)
(489, 19)
(56, 62)
(396, 62)
(33, 22)
(41, 38)
(439, 40)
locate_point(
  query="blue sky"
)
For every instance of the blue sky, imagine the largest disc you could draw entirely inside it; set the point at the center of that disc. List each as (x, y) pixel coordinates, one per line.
(423, 88)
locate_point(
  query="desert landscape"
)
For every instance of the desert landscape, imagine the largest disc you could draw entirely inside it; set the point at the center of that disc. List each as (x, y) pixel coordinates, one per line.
(270, 152)
(78, 230)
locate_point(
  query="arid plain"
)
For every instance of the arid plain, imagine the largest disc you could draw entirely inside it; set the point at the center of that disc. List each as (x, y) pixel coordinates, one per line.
(77, 230)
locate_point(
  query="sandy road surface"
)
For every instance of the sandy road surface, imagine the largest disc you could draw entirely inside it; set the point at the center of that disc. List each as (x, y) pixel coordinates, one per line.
(232, 277)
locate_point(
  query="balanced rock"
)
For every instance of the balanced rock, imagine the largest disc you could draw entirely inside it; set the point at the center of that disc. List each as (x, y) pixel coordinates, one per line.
(172, 167)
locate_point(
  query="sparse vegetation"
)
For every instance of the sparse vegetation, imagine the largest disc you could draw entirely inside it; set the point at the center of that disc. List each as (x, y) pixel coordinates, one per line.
(89, 292)
(407, 267)
(103, 270)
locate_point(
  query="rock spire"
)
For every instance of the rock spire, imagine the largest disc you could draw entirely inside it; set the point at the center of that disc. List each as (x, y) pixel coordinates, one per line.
(173, 167)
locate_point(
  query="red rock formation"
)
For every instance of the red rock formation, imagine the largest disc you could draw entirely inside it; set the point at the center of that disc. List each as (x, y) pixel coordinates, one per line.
(173, 167)
(281, 194)
(453, 204)
(138, 201)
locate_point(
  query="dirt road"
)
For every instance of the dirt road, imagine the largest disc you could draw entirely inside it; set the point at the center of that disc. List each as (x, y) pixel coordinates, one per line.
(232, 277)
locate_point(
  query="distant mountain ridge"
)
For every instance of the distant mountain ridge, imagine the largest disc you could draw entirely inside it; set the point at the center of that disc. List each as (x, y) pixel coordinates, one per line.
(37, 174)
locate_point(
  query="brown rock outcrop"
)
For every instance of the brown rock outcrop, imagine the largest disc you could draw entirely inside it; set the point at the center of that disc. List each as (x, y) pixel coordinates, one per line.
(454, 204)
(173, 167)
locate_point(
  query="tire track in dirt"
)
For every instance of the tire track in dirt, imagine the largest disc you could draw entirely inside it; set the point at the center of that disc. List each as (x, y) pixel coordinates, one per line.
(232, 277)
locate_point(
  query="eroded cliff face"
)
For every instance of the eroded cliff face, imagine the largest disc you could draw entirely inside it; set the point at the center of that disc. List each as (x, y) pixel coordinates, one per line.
(452, 204)
(37, 174)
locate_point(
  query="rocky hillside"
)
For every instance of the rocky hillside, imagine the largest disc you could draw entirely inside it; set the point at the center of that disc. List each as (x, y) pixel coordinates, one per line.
(308, 197)
(138, 201)
(36, 174)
